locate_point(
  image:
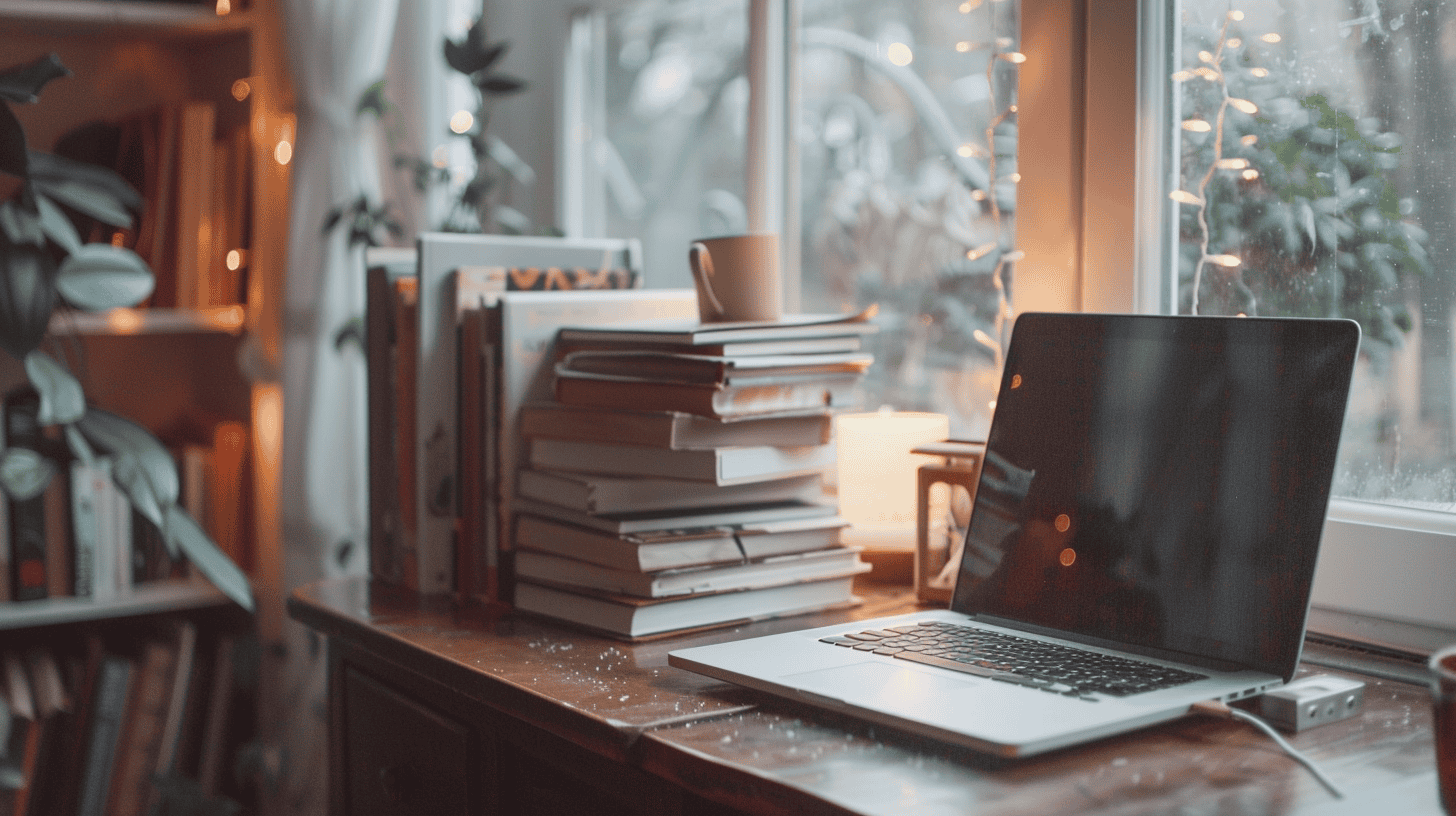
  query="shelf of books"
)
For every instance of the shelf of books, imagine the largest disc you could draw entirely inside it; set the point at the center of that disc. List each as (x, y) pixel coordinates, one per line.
(620, 466)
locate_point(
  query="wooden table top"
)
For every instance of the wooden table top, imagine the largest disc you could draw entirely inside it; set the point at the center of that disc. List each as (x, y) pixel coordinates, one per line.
(755, 752)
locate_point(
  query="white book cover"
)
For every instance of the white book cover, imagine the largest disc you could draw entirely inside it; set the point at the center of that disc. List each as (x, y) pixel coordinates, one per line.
(596, 493)
(673, 549)
(767, 572)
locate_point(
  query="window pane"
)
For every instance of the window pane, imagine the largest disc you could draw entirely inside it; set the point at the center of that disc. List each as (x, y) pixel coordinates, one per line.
(906, 117)
(907, 128)
(672, 164)
(1315, 180)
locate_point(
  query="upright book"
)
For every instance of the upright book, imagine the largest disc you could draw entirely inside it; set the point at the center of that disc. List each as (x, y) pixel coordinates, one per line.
(528, 322)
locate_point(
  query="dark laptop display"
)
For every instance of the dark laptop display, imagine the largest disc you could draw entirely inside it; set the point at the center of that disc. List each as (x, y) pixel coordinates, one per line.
(1166, 489)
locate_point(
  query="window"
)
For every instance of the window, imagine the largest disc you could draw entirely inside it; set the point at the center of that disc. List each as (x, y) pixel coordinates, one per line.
(899, 157)
(1310, 172)
(1100, 149)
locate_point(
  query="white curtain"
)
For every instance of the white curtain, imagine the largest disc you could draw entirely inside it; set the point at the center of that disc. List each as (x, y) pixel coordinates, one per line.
(337, 49)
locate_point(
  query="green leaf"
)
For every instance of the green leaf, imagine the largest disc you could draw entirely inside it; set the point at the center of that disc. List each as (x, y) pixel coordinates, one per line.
(24, 473)
(142, 467)
(56, 225)
(372, 100)
(79, 446)
(97, 277)
(53, 169)
(23, 83)
(20, 225)
(183, 532)
(501, 85)
(27, 295)
(14, 155)
(87, 200)
(61, 399)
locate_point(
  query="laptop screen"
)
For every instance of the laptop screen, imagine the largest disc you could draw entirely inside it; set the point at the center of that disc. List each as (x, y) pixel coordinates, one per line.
(1160, 482)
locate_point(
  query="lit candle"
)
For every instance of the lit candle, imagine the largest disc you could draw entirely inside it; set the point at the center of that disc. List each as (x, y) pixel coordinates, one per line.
(877, 474)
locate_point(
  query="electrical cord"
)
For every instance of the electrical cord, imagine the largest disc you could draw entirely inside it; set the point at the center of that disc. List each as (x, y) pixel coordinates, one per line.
(1216, 708)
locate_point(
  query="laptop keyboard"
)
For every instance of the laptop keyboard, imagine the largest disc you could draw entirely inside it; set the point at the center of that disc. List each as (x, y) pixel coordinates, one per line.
(1011, 659)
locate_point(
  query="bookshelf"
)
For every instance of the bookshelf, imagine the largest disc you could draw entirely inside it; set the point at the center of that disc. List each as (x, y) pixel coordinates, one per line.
(195, 364)
(200, 354)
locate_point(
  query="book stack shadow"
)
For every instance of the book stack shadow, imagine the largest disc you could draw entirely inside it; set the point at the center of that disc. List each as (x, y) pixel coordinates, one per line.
(676, 482)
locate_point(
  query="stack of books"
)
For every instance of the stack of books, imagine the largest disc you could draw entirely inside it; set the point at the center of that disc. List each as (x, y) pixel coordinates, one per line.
(676, 480)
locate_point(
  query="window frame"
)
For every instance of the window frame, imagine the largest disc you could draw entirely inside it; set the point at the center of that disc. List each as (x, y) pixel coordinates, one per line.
(1092, 217)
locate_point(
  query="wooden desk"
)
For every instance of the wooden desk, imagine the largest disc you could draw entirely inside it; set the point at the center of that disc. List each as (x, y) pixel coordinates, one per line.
(438, 710)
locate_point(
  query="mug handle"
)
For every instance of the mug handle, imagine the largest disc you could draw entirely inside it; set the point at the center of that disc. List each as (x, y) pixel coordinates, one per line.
(702, 263)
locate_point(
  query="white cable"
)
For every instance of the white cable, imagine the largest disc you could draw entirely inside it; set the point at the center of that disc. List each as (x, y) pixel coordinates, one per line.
(1218, 709)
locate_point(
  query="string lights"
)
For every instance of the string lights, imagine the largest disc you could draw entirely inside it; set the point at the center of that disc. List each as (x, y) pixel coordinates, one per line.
(1003, 50)
(1212, 70)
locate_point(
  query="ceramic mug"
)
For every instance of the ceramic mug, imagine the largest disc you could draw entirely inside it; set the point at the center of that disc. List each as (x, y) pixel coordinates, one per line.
(1443, 693)
(737, 277)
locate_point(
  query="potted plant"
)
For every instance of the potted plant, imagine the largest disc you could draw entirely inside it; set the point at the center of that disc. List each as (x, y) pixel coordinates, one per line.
(45, 266)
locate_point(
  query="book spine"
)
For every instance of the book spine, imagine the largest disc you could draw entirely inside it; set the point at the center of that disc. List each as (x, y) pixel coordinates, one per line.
(104, 732)
(384, 520)
(28, 580)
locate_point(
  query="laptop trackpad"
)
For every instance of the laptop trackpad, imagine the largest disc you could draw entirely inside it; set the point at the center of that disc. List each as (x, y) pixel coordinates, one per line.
(871, 680)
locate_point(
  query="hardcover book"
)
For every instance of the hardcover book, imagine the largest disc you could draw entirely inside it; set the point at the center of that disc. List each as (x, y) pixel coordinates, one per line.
(654, 550)
(631, 618)
(766, 572)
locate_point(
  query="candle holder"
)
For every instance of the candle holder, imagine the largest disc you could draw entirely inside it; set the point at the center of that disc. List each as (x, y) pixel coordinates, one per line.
(945, 491)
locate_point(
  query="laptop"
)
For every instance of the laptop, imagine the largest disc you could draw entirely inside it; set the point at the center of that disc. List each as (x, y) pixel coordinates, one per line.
(1143, 537)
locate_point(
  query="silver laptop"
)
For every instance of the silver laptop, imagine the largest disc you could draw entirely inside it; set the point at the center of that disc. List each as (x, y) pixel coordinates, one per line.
(1143, 537)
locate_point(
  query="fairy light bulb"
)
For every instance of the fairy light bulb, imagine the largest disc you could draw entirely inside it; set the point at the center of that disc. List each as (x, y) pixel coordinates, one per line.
(1243, 106)
(1196, 126)
(1226, 261)
(1185, 197)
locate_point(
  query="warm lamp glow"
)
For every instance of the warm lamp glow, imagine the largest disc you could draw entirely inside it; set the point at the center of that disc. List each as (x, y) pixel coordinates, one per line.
(1259, 72)
(1236, 15)
(1250, 174)
(1228, 261)
(223, 7)
(1271, 38)
(963, 46)
(461, 122)
(1235, 42)
(1196, 126)
(1249, 141)
(899, 54)
(241, 89)
(877, 473)
(1231, 164)
(1243, 106)
(969, 6)
(1014, 57)
(234, 260)
(283, 152)
(1185, 197)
